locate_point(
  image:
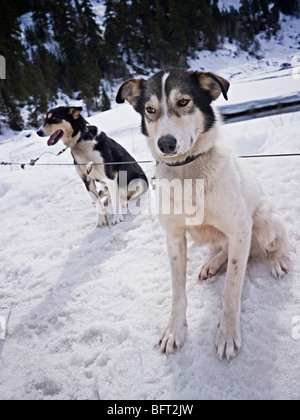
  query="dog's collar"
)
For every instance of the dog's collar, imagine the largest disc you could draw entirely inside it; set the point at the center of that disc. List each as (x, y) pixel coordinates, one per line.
(188, 160)
(88, 133)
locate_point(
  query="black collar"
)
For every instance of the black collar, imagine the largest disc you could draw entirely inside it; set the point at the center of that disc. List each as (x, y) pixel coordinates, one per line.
(188, 160)
(89, 132)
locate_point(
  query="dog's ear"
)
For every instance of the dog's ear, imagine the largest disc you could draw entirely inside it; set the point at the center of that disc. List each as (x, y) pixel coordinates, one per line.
(214, 85)
(130, 91)
(75, 111)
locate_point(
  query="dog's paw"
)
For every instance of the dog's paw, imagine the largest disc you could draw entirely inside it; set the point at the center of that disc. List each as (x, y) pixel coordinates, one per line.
(208, 271)
(228, 345)
(118, 218)
(213, 266)
(101, 221)
(278, 269)
(173, 339)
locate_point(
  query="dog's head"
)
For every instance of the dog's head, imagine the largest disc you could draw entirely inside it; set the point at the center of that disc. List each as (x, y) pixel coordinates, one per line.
(63, 123)
(176, 109)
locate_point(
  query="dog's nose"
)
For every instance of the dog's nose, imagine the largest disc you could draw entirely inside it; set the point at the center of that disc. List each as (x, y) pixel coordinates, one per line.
(167, 144)
(40, 132)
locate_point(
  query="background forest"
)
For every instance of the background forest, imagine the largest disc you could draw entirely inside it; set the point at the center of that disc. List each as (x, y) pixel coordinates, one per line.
(62, 49)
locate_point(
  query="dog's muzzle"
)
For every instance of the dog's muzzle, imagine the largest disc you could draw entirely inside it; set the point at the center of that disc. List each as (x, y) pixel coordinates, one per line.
(41, 132)
(54, 138)
(167, 145)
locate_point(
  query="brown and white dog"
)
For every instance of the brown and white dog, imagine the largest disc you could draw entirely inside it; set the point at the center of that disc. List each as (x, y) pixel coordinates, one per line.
(184, 135)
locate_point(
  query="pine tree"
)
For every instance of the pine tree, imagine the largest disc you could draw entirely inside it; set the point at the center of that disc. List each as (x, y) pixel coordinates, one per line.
(12, 88)
(289, 7)
(210, 40)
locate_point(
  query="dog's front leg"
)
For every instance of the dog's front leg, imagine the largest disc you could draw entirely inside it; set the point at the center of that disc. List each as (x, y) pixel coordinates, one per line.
(92, 190)
(113, 188)
(175, 333)
(229, 341)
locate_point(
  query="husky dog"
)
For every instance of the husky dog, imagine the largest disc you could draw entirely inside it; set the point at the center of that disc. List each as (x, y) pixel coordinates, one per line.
(97, 158)
(184, 135)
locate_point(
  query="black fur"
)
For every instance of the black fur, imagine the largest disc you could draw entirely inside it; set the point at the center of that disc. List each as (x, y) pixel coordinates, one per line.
(111, 151)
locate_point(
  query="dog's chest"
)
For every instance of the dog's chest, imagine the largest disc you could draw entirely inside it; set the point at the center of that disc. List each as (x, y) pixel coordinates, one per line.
(84, 153)
(180, 200)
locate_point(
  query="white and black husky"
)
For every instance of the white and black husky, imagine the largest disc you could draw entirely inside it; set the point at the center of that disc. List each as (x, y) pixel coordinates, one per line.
(184, 135)
(97, 158)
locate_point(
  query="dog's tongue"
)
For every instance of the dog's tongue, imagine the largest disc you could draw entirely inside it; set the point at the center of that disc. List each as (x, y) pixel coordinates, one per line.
(52, 139)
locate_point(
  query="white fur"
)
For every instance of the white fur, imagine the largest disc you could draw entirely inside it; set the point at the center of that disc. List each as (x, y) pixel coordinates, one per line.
(233, 203)
(238, 221)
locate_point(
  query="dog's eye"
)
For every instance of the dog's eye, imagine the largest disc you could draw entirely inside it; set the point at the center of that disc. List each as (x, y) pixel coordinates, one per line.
(150, 110)
(183, 102)
(55, 120)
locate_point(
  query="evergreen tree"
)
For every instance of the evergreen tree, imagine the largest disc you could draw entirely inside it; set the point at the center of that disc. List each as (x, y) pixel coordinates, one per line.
(16, 65)
(67, 52)
(210, 38)
(289, 7)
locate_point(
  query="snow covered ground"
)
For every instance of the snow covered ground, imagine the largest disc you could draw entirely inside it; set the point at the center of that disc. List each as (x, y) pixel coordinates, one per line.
(88, 305)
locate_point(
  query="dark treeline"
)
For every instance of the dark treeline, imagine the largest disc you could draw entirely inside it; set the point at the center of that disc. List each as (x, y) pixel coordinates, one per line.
(62, 49)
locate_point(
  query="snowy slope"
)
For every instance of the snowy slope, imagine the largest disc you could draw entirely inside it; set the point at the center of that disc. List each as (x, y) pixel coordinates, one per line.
(88, 305)
(270, 77)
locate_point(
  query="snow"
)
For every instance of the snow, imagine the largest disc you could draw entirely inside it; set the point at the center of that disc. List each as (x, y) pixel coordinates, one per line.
(99, 9)
(227, 4)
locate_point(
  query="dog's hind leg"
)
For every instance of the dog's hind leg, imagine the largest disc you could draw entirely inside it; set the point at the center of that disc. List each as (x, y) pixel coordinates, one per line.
(134, 192)
(271, 235)
(114, 192)
(136, 188)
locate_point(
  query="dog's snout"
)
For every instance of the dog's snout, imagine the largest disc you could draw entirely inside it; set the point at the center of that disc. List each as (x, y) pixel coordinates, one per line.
(167, 144)
(40, 133)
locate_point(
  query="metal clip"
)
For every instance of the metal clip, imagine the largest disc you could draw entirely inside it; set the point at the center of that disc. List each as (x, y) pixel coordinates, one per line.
(153, 183)
(89, 168)
(33, 162)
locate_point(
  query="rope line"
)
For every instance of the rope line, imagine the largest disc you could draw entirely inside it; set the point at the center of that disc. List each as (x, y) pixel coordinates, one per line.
(33, 162)
(270, 156)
